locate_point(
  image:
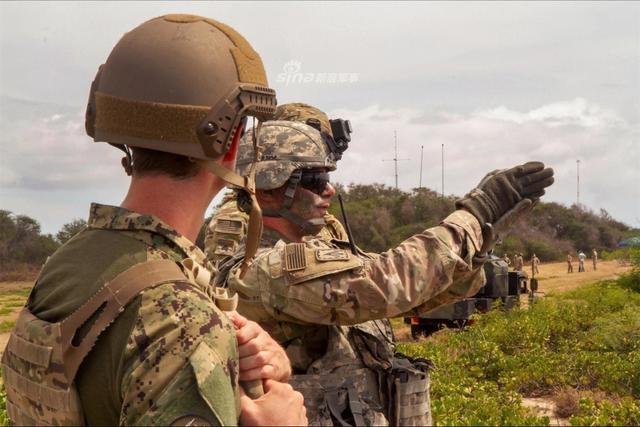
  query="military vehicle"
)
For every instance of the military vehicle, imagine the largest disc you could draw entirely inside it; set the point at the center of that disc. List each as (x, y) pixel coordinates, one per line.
(502, 287)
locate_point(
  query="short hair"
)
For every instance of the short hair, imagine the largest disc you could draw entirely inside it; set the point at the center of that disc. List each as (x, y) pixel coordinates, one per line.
(152, 162)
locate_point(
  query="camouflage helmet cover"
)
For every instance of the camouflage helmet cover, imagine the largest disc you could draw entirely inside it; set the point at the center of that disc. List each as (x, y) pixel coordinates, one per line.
(301, 112)
(285, 146)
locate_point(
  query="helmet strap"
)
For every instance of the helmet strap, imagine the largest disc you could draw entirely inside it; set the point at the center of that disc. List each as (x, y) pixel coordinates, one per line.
(248, 185)
(127, 161)
(308, 226)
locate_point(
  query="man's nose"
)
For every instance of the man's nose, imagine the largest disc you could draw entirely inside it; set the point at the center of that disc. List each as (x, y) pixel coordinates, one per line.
(329, 191)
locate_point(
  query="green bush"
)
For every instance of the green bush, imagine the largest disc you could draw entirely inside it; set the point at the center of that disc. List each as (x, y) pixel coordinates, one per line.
(4, 418)
(586, 339)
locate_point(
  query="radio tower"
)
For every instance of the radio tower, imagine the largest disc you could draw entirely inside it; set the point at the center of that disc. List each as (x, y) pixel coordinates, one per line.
(442, 151)
(395, 160)
(578, 183)
(421, 157)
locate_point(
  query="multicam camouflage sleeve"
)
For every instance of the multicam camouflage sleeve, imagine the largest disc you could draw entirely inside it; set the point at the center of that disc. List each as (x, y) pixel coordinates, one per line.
(319, 282)
(181, 361)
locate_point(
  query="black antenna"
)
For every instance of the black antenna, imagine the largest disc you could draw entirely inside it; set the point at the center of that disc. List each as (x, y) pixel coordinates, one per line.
(346, 226)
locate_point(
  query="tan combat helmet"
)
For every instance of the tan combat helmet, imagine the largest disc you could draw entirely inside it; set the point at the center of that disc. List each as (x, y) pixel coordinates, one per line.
(182, 84)
(301, 138)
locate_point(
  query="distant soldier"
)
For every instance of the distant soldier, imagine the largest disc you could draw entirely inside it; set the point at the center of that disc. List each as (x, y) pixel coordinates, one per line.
(569, 263)
(518, 262)
(581, 258)
(535, 261)
(506, 259)
(594, 258)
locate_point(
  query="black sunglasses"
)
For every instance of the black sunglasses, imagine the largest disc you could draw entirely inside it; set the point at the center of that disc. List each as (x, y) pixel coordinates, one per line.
(315, 181)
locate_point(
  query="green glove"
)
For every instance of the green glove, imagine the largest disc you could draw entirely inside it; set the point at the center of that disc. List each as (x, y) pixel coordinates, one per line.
(501, 191)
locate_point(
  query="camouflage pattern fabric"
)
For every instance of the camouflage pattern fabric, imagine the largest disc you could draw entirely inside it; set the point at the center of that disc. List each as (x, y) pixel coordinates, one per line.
(322, 304)
(301, 112)
(285, 147)
(322, 282)
(227, 230)
(170, 341)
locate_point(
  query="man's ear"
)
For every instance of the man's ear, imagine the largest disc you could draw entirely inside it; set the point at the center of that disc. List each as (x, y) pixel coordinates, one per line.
(270, 198)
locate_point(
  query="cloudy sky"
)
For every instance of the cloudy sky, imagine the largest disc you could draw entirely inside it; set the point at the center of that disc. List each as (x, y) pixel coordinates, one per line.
(497, 83)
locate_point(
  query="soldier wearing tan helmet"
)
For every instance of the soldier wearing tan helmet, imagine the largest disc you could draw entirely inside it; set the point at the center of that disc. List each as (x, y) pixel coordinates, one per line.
(324, 300)
(123, 325)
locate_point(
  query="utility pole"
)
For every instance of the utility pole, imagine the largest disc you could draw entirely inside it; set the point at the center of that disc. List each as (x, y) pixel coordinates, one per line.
(395, 159)
(421, 157)
(442, 151)
(578, 183)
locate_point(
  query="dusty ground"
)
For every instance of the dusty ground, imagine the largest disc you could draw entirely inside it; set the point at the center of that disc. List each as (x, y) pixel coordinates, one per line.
(553, 277)
(545, 407)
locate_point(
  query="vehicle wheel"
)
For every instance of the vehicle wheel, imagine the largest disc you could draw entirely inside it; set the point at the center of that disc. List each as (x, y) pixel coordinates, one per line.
(416, 332)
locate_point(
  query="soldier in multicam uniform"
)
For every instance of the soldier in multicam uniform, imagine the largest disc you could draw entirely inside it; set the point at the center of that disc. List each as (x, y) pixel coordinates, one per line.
(227, 230)
(594, 258)
(569, 263)
(325, 303)
(123, 324)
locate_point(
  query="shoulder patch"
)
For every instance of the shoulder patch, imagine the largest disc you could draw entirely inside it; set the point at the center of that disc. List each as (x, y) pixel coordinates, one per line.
(294, 257)
(332, 255)
(230, 226)
(226, 247)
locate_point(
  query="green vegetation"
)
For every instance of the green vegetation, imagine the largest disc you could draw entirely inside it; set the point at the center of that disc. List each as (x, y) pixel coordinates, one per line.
(582, 348)
(4, 418)
(7, 325)
(23, 248)
(381, 217)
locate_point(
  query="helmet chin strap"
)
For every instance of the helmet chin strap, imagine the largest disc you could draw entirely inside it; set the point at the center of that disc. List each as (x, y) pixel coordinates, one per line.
(309, 227)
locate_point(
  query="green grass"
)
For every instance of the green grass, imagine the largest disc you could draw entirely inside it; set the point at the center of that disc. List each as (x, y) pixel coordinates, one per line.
(582, 345)
(7, 325)
(586, 339)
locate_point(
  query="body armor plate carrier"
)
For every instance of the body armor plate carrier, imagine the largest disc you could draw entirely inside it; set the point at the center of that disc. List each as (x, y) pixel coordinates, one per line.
(42, 358)
(361, 381)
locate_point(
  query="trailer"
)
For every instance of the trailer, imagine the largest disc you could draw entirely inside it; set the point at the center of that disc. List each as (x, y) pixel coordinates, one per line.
(502, 287)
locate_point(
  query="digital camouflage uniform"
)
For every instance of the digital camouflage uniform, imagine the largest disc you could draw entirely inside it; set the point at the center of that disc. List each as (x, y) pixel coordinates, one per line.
(171, 355)
(228, 228)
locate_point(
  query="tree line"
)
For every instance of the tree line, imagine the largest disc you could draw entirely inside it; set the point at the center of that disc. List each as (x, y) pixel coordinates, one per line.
(380, 218)
(22, 241)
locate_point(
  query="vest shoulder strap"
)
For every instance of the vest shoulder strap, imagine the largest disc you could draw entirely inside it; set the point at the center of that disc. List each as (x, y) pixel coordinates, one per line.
(107, 304)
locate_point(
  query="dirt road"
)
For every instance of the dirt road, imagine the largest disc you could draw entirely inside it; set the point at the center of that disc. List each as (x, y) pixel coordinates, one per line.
(553, 277)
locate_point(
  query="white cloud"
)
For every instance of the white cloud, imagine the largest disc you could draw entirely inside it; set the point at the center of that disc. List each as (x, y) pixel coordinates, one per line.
(558, 134)
(578, 112)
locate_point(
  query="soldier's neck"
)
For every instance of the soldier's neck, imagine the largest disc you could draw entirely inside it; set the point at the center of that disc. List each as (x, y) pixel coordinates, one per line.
(181, 204)
(288, 230)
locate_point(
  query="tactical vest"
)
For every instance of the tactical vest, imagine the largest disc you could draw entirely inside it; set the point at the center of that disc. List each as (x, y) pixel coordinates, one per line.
(361, 381)
(41, 359)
